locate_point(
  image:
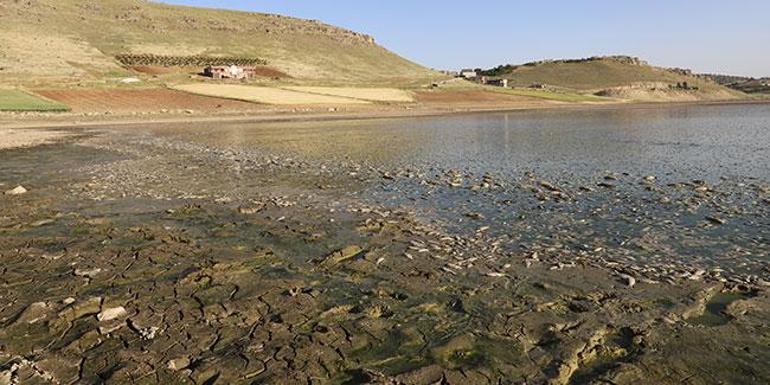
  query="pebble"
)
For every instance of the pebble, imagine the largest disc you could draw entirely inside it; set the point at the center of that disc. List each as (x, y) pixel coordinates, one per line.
(17, 191)
(628, 280)
(179, 363)
(87, 273)
(112, 314)
(6, 377)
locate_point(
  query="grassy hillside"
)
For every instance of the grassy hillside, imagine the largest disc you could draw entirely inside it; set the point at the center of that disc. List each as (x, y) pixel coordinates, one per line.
(48, 40)
(620, 76)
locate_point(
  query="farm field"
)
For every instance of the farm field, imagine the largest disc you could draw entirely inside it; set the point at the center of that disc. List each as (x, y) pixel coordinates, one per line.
(265, 95)
(370, 94)
(567, 97)
(15, 100)
(456, 97)
(143, 100)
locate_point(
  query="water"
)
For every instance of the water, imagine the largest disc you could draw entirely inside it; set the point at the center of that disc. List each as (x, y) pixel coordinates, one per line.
(709, 161)
(676, 143)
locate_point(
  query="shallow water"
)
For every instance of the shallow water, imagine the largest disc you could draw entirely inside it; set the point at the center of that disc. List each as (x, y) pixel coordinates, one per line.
(678, 143)
(726, 148)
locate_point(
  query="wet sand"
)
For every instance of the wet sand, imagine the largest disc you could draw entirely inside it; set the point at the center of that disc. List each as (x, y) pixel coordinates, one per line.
(208, 254)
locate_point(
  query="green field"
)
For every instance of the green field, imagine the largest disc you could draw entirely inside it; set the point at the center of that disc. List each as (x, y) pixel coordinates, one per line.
(15, 100)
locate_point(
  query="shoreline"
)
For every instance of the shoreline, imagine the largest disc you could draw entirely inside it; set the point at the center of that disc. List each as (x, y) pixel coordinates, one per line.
(385, 112)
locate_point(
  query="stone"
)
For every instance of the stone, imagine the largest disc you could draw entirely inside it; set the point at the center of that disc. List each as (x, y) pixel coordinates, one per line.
(87, 273)
(628, 280)
(17, 191)
(112, 314)
(34, 313)
(179, 363)
(716, 220)
(6, 377)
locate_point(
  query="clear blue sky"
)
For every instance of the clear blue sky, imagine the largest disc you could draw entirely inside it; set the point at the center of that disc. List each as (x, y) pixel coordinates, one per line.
(727, 36)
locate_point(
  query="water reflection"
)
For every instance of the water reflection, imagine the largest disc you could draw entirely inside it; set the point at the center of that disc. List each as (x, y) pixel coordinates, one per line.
(700, 142)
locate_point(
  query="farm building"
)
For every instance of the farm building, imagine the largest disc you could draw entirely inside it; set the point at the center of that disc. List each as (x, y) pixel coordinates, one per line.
(230, 72)
(494, 82)
(468, 74)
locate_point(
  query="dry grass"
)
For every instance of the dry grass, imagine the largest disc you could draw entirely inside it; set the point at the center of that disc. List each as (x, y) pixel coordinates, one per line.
(265, 95)
(370, 94)
(73, 38)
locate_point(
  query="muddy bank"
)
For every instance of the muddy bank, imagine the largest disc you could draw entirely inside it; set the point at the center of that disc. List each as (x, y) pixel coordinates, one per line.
(165, 255)
(14, 138)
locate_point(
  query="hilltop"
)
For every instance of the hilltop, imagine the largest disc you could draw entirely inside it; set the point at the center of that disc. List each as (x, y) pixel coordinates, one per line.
(43, 41)
(618, 76)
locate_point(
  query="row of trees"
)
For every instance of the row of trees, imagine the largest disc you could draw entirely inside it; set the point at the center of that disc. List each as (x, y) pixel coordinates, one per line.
(186, 61)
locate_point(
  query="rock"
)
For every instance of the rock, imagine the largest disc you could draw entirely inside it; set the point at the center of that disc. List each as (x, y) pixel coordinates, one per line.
(92, 306)
(87, 273)
(605, 185)
(716, 220)
(111, 326)
(34, 313)
(112, 313)
(17, 191)
(343, 255)
(179, 363)
(250, 210)
(5, 377)
(149, 333)
(628, 280)
(68, 301)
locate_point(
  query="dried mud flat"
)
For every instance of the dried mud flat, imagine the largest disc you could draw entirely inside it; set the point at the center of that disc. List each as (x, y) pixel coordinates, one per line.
(142, 257)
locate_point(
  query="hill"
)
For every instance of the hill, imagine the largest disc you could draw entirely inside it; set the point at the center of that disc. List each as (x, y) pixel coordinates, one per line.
(617, 76)
(52, 40)
(742, 83)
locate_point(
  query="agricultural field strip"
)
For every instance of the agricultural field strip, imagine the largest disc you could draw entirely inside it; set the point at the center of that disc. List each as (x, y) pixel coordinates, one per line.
(266, 95)
(368, 94)
(17, 100)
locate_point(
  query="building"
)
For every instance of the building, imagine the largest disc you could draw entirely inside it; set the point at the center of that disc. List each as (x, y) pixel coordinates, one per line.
(230, 72)
(469, 74)
(494, 82)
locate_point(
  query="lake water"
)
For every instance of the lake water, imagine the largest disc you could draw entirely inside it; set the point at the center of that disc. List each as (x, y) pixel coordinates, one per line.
(707, 203)
(677, 143)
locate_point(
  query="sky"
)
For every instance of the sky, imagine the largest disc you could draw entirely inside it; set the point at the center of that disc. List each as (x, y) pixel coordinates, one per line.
(727, 36)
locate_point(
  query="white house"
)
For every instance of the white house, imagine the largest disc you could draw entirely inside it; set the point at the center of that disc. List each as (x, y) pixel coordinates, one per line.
(468, 74)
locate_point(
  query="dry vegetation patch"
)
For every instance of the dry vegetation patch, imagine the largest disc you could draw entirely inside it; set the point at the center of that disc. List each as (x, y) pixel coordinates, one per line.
(264, 95)
(370, 94)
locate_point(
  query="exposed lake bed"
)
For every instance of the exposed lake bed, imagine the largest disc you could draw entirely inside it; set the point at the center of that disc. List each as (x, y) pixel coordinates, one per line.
(536, 247)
